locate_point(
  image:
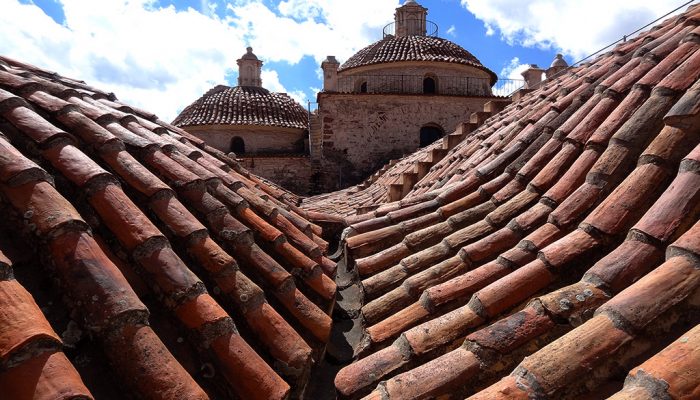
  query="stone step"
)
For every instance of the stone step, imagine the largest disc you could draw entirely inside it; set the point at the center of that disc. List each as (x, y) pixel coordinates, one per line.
(409, 181)
(450, 141)
(437, 155)
(395, 192)
(496, 106)
(422, 168)
(465, 128)
(479, 117)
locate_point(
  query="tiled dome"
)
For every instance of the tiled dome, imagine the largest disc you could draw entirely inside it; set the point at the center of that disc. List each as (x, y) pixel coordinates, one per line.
(413, 48)
(243, 105)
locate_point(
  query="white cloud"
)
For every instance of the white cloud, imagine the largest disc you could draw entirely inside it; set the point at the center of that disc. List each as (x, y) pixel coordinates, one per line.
(512, 70)
(271, 81)
(452, 31)
(576, 27)
(316, 28)
(161, 59)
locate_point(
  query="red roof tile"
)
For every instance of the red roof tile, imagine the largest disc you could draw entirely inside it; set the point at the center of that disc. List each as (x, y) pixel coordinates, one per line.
(77, 166)
(559, 208)
(243, 105)
(413, 48)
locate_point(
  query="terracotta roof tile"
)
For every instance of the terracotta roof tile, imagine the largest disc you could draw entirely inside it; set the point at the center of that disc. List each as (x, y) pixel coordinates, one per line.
(23, 323)
(49, 375)
(243, 105)
(156, 194)
(413, 48)
(674, 371)
(547, 226)
(546, 253)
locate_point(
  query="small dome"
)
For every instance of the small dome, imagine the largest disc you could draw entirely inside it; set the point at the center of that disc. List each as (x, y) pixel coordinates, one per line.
(243, 105)
(249, 54)
(559, 62)
(414, 48)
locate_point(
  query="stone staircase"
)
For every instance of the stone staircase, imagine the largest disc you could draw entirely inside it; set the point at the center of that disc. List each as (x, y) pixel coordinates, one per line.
(408, 180)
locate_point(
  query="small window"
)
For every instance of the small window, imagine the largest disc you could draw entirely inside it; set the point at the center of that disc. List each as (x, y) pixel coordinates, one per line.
(429, 85)
(237, 145)
(363, 87)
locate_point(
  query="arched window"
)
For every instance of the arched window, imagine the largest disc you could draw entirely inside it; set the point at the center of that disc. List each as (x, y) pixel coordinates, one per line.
(237, 145)
(429, 85)
(429, 134)
(363, 87)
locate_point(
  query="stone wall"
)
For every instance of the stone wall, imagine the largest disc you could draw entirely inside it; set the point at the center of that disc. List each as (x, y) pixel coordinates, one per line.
(369, 129)
(258, 139)
(293, 173)
(407, 77)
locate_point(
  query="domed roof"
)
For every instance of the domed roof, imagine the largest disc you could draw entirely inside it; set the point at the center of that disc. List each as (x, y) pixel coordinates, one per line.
(414, 48)
(249, 55)
(243, 105)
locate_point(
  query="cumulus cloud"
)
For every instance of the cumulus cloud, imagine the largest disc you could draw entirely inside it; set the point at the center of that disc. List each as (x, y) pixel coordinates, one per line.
(156, 58)
(514, 69)
(577, 28)
(161, 58)
(271, 81)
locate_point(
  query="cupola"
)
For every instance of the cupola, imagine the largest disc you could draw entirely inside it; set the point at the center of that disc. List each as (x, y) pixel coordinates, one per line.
(249, 68)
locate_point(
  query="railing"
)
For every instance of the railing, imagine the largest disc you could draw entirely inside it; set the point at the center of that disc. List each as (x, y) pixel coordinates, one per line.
(416, 84)
(506, 87)
(430, 28)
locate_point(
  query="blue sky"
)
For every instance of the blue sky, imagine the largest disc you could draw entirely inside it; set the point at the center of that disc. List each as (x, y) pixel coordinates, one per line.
(163, 54)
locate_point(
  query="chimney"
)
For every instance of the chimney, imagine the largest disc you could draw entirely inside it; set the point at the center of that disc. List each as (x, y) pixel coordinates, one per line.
(330, 74)
(558, 65)
(410, 19)
(249, 69)
(533, 76)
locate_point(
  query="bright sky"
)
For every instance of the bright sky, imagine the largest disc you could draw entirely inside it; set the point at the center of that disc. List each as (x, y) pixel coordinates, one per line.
(161, 55)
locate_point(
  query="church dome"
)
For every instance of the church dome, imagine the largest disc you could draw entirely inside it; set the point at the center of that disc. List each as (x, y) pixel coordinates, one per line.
(243, 105)
(414, 48)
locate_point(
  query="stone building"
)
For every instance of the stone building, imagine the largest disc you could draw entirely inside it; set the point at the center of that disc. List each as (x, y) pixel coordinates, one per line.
(398, 94)
(267, 131)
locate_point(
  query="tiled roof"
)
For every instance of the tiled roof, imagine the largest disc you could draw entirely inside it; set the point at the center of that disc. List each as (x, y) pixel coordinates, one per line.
(244, 105)
(356, 200)
(137, 261)
(552, 252)
(413, 48)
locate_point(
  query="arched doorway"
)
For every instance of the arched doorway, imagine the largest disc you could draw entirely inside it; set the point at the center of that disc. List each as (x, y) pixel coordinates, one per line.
(429, 85)
(429, 134)
(237, 145)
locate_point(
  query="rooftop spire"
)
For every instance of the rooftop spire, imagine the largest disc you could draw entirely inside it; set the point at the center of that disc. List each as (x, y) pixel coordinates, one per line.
(249, 68)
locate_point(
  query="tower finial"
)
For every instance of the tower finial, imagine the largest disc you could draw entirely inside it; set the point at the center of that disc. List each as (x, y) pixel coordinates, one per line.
(410, 19)
(249, 68)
